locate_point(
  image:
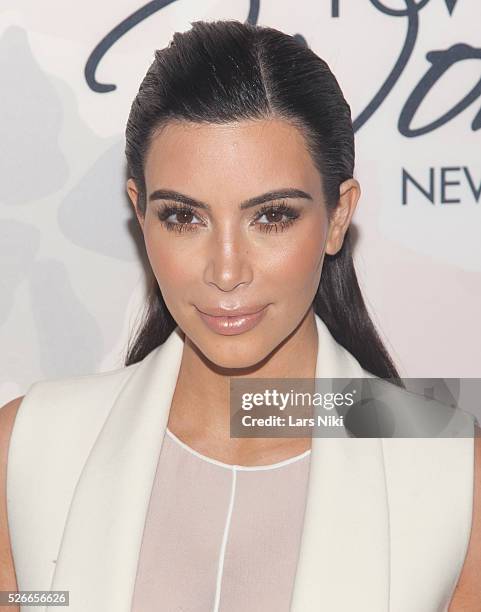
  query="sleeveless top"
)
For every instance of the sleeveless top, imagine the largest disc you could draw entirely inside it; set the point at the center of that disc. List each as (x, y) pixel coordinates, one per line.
(386, 521)
(214, 539)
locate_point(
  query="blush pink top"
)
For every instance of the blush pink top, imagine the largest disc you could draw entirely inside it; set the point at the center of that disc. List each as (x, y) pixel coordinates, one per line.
(220, 537)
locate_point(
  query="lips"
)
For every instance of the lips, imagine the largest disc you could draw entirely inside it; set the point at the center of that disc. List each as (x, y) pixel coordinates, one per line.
(232, 324)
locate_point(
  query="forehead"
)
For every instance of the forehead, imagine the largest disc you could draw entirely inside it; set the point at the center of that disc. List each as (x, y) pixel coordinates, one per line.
(241, 158)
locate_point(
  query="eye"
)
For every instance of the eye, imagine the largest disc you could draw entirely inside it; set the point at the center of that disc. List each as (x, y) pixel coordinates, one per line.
(184, 214)
(274, 213)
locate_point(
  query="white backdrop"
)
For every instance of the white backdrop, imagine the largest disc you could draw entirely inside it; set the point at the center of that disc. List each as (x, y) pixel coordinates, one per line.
(72, 281)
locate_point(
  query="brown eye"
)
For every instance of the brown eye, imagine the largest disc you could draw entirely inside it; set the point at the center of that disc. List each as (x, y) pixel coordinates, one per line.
(184, 215)
(274, 214)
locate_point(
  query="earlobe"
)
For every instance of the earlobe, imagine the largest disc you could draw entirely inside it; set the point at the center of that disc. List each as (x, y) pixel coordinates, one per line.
(350, 192)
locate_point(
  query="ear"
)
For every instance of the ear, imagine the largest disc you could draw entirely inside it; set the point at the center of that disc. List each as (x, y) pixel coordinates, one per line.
(133, 193)
(349, 193)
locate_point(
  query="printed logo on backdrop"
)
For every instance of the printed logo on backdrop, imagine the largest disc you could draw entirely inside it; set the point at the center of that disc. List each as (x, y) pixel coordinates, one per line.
(439, 60)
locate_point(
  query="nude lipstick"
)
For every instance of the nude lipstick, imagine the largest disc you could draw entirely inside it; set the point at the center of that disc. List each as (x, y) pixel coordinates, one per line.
(232, 325)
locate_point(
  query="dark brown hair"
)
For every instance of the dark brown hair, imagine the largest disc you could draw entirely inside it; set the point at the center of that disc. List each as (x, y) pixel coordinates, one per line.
(224, 71)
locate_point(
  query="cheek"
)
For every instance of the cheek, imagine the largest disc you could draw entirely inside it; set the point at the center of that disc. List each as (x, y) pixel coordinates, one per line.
(297, 267)
(169, 261)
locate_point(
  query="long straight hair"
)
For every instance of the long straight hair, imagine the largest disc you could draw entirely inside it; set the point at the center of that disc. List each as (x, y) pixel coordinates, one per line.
(224, 71)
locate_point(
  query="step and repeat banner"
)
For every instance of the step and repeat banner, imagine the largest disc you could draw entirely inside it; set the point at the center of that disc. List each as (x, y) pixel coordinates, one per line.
(72, 282)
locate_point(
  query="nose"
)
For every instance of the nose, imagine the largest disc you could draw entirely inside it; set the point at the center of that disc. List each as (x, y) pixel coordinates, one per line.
(228, 264)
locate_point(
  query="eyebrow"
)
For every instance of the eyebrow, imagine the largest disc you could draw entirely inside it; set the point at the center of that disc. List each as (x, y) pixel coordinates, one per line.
(168, 194)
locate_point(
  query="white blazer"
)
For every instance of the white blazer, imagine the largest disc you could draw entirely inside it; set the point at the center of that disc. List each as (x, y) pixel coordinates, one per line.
(387, 520)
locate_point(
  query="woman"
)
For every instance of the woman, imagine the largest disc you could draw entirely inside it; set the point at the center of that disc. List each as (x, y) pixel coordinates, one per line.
(126, 488)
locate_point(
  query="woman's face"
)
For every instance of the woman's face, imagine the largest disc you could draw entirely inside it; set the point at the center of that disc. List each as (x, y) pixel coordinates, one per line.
(215, 239)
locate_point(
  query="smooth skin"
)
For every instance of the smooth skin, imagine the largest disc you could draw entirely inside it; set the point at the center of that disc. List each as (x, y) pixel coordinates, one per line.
(226, 256)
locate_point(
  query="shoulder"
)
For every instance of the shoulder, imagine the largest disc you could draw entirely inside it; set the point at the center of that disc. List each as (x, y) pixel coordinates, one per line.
(52, 399)
(86, 383)
(467, 595)
(64, 416)
(8, 413)
(57, 417)
(54, 407)
(7, 418)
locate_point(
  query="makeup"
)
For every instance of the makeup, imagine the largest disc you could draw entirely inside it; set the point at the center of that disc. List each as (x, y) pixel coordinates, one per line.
(232, 325)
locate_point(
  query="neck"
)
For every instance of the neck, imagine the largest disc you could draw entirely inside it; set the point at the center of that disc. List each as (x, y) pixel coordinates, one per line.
(199, 413)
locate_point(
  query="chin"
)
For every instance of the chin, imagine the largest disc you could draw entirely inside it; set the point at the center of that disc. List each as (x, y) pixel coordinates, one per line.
(233, 362)
(236, 352)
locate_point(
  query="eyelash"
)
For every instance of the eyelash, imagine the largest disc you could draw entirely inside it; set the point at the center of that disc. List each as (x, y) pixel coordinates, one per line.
(173, 209)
